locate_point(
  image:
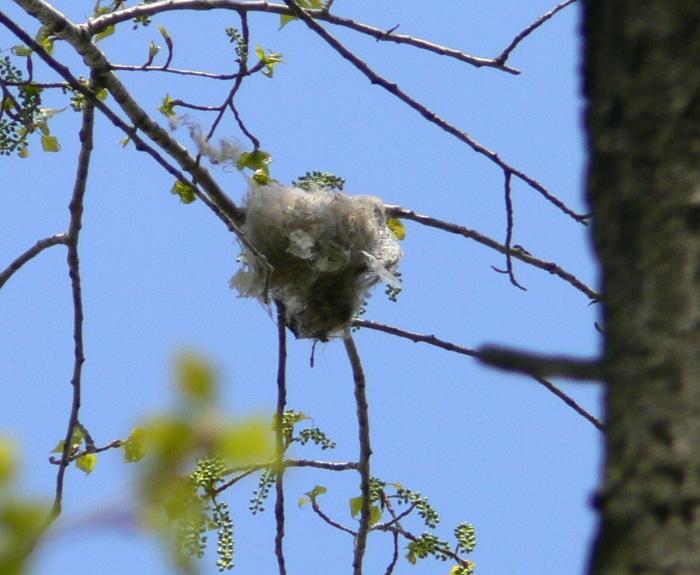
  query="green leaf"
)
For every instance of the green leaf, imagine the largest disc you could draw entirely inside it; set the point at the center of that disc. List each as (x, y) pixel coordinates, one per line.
(125, 142)
(24, 152)
(21, 51)
(397, 228)
(269, 60)
(8, 460)
(375, 514)
(103, 94)
(185, 191)
(286, 19)
(258, 160)
(164, 32)
(108, 31)
(153, 50)
(261, 177)
(316, 491)
(50, 143)
(355, 506)
(135, 445)
(166, 106)
(86, 462)
(196, 378)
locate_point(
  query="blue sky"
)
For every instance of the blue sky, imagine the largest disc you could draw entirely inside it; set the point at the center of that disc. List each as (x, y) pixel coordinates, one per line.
(491, 448)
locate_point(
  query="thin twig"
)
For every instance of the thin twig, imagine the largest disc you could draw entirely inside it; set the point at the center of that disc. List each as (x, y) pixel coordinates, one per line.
(571, 403)
(503, 57)
(197, 73)
(322, 515)
(517, 252)
(30, 254)
(279, 436)
(428, 114)
(365, 451)
(509, 234)
(76, 214)
(432, 340)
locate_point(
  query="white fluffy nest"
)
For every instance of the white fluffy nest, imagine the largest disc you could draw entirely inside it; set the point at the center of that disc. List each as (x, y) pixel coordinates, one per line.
(327, 250)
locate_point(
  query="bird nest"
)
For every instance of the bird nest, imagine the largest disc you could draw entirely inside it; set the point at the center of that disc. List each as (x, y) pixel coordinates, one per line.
(326, 250)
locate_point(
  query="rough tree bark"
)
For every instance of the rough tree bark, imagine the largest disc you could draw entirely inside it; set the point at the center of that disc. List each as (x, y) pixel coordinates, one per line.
(643, 84)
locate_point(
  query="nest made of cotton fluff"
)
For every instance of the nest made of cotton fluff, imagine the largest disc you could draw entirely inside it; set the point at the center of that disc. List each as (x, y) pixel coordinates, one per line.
(327, 250)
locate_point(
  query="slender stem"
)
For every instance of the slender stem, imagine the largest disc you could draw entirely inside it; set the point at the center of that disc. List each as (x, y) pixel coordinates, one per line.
(365, 451)
(279, 436)
(76, 214)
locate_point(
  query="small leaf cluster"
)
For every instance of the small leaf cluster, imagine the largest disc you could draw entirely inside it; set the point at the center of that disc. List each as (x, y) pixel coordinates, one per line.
(224, 533)
(326, 180)
(208, 472)
(426, 511)
(19, 109)
(265, 483)
(235, 37)
(428, 545)
(465, 533)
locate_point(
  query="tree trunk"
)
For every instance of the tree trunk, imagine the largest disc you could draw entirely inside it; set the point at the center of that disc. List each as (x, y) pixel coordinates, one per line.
(642, 75)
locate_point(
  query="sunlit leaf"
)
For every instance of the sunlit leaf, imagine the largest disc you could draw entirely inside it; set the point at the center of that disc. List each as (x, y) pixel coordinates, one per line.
(8, 460)
(185, 191)
(257, 160)
(135, 445)
(397, 228)
(86, 462)
(166, 106)
(50, 143)
(108, 31)
(196, 378)
(21, 51)
(250, 440)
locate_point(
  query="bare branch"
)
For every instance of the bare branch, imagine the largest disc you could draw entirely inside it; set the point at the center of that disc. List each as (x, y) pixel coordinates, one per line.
(503, 57)
(365, 451)
(432, 340)
(30, 254)
(76, 214)
(99, 23)
(538, 365)
(428, 114)
(517, 252)
(279, 436)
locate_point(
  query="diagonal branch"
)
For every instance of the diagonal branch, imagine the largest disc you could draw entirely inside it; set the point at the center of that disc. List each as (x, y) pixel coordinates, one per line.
(478, 354)
(79, 38)
(515, 251)
(30, 254)
(428, 114)
(503, 56)
(365, 452)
